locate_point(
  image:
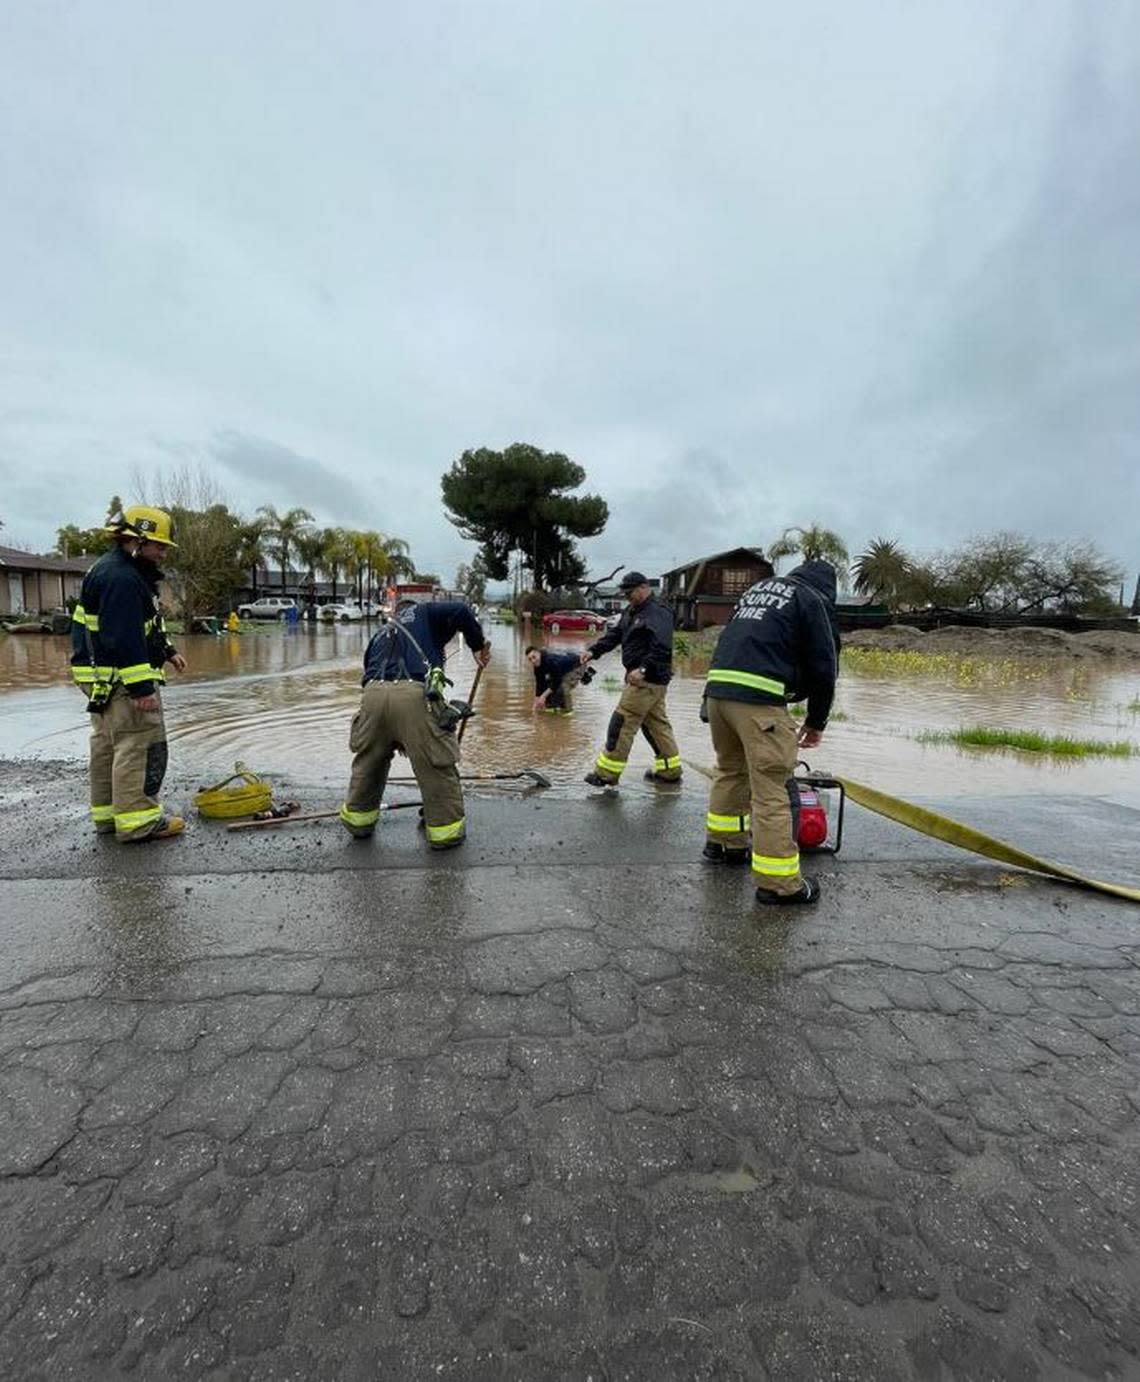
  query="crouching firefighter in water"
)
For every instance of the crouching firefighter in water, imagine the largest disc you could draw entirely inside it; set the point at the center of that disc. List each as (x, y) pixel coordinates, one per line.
(403, 708)
(555, 676)
(645, 632)
(119, 649)
(780, 645)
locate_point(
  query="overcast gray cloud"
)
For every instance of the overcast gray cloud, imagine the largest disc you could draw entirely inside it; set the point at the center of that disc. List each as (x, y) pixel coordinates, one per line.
(750, 263)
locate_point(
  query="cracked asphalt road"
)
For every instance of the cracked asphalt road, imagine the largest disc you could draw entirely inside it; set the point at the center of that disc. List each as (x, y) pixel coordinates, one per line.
(559, 1105)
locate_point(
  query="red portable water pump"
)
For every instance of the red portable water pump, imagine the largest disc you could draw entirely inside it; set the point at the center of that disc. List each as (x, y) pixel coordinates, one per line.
(810, 824)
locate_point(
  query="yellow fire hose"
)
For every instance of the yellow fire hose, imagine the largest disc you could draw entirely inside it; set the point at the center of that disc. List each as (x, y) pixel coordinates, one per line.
(963, 836)
(241, 794)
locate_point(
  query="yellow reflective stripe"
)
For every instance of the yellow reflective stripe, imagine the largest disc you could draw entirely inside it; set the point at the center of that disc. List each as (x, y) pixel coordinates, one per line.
(665, 765)
(728, 825)
(359, 818)
(437, 834)
(82, 675)
(102, 813)
(135, 820)
(89, 621)
(611, 765)
(749, 679)
(786, 867)
(141, 671)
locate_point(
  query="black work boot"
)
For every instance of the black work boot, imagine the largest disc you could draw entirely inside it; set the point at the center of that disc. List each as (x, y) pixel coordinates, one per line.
(714, 853)
(808, 893)
(651, 775)
(596, 780)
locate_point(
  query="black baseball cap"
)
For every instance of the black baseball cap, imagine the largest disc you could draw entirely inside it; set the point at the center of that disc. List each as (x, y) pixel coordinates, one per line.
(633, 578)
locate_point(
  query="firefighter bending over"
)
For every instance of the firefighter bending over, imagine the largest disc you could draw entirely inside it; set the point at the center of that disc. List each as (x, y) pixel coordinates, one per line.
(403, 708)
(119, 649)
(555, 674)
(645, 632)
(779, 646)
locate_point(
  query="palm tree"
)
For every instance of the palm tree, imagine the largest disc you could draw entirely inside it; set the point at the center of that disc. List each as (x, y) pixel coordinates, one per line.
(310, 549)
(251, 537)
(884, 571)
(397, 557)
(813, 543)
(284, 529)
(336, 549)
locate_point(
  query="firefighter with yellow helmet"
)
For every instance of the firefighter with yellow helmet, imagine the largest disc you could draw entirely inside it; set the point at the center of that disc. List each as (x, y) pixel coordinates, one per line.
(119, 649)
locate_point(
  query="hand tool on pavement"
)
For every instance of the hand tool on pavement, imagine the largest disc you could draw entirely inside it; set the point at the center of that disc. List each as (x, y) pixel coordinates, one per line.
(313, 816)
(539, 779)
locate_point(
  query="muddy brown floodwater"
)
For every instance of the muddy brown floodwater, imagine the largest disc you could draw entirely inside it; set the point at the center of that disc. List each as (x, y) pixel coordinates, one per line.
(282, 700)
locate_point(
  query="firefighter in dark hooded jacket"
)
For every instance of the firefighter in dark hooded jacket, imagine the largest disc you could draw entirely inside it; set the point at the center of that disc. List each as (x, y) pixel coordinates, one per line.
(645, 632)
(119, 650)
(780, 645)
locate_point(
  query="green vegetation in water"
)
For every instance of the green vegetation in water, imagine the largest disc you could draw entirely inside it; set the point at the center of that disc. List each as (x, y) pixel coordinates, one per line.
(962, 670)
(1028, 741)
(799, 710)
(611, 683)
(682, 644)
(1133, 706)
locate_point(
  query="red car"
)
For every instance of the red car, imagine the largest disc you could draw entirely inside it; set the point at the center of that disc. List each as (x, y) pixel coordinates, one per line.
(573, 621)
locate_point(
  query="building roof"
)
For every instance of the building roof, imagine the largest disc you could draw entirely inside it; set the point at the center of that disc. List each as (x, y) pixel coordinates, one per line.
(30, 561)
(755, 552)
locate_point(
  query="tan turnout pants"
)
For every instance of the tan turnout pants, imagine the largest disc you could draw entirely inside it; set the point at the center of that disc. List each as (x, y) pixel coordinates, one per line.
(128, 756)
(755, 755)
(640, 708)
(394, 715)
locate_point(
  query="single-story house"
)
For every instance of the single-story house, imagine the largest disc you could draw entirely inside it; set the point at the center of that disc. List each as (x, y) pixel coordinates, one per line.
(704, 592)
(30, 584)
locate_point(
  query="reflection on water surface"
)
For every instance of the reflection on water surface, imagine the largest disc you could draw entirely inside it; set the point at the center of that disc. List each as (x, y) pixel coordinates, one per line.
(282, 701)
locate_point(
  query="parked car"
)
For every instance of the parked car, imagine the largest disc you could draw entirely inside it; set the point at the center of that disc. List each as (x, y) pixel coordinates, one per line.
(339, 613)
(267, 607)
(573, 621)
(371, 609)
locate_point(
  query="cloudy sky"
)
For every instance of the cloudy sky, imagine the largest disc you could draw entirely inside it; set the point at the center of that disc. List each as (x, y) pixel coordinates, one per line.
(751, 263)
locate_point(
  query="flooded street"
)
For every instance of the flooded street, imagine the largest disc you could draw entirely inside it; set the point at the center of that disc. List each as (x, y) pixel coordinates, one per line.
(282, 701)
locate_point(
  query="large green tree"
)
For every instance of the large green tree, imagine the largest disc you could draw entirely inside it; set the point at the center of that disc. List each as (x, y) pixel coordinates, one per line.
(207, 566)
(71, 541)
(519, 499)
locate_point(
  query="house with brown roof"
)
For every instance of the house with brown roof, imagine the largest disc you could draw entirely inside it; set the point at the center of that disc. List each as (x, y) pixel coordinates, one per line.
(34, 585)
(705, 591)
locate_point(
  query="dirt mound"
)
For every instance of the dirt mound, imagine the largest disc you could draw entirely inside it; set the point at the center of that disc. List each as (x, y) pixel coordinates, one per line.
(998, 643)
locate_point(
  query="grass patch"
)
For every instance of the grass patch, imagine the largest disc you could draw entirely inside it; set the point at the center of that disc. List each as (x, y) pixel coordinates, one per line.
(799, 710)
(963, 670)
(1028, 741)
(682, 644)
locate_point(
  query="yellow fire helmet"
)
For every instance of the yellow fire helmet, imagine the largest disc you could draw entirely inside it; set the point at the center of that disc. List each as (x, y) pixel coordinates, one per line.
(140, 520)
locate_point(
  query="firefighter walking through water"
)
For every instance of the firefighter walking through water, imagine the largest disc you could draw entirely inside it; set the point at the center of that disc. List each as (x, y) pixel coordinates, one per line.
(403, 708)
(645, 632)
(780, 645)
(119, 649)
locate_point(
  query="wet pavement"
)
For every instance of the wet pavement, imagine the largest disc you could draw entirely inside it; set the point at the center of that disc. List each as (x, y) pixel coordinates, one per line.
(559, 1104)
